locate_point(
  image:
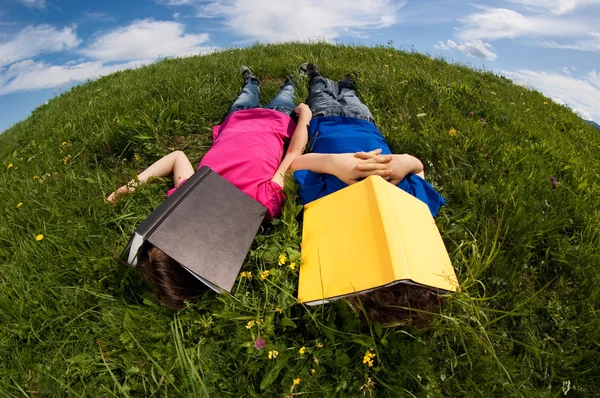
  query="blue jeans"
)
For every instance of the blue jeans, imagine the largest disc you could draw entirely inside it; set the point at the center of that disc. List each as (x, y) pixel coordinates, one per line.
(326, 98)
(250, 98)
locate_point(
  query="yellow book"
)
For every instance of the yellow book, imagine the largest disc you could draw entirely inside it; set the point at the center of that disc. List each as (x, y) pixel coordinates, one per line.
(368, 235)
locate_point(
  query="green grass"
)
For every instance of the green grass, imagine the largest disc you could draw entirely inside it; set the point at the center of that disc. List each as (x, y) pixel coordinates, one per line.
(76, 322)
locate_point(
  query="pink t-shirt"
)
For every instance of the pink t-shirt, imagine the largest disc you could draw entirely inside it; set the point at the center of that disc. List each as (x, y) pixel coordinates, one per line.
(247, 150)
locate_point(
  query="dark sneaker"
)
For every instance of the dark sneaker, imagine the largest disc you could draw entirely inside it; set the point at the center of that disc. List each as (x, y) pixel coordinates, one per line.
(348, 82)
(247, 74)
(289, 80)
(310, 70)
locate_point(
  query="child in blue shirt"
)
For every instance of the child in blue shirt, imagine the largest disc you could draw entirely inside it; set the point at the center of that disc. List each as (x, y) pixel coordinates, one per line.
(346, 146)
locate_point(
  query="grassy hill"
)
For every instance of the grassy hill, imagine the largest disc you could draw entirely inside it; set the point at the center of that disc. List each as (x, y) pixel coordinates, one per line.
(76, 322)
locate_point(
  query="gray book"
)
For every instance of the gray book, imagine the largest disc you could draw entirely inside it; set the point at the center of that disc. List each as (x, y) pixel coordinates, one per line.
(207, 225)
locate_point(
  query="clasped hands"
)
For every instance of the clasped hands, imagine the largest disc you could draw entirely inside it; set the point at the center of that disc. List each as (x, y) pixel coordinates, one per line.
(350, 167)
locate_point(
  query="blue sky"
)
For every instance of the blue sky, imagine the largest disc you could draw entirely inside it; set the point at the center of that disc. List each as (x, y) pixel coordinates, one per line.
(47, 46)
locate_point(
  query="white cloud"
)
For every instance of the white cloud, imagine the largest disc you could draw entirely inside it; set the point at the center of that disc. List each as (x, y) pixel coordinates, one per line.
(557, 7)
(473, 48)
(29, 75)
(34, 40)
(582, 113)
(594, 77)
(590, 44)
(566, 70)
(285, 20)
(146, 39)
(499, 23)
(34, 3)
(139, 43)
(579, 94)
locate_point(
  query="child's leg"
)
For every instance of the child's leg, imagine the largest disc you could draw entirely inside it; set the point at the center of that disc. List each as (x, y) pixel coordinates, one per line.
(249, 96)
(352, 106)
(284, 100)
(322, 98)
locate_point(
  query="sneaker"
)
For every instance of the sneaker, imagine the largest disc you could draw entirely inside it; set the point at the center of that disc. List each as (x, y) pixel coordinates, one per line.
(289, 80)
(348, 82)
(310, 70)
(247, 73)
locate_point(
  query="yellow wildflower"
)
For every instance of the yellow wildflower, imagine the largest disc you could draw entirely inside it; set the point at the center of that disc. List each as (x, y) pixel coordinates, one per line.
(452, 132)
(282, 259)
(36, 177)
(273, 354)
(279, 310)
(296, 381)
(136, 157)
(19, 204)
(9, 166)
(39, 237)
(368, 358)
(265, 275)
(64, 143)
(302, 350)
(65, 160)
(250, 324)
(312, 371)
(293, 266)
(545, 102)
(246, 274)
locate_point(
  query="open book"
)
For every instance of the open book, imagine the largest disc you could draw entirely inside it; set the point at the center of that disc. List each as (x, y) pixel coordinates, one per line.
(207, 225)
(369, 235)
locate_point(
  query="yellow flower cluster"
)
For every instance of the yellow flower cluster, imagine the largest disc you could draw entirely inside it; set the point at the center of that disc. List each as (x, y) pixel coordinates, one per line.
(9, 166)
(39, 237)
(273, 354)
(265, 275)
(36, 177)
(65, 160)
(545, 102)
(246, 274)
(296, 381)
(452, 132)
(282, 259)
(302, 350)
(19, 204)
(368, 358)
(250, 324)
(278, 310)
(293, 265)
(312, 371)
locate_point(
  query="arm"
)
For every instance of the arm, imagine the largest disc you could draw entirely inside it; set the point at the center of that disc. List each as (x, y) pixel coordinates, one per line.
(175, 163)
(344, 166)
(400, 166)
(297, 144)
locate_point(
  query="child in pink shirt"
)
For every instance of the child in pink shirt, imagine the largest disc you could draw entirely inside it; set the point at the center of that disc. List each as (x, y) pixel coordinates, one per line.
(247, 151)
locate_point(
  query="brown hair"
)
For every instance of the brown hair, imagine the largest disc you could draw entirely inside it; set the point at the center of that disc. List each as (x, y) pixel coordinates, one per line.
(170, 281)
(399, 304)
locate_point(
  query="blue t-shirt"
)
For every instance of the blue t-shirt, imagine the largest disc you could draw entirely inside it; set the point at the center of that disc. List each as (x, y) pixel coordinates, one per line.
(341, 134)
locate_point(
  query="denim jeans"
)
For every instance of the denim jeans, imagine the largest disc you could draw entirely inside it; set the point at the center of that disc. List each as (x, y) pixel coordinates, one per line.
(327, 98)
(250, 98)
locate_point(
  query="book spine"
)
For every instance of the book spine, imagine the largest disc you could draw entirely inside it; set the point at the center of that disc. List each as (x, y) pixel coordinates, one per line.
(164, 209)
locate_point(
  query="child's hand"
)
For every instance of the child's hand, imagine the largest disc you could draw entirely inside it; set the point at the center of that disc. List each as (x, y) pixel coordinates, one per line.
(350, 170)
(400, 165)
(302, 110)
(124, 190)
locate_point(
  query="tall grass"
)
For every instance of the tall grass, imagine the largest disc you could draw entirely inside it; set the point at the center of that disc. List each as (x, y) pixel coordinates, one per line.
(76, 322)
